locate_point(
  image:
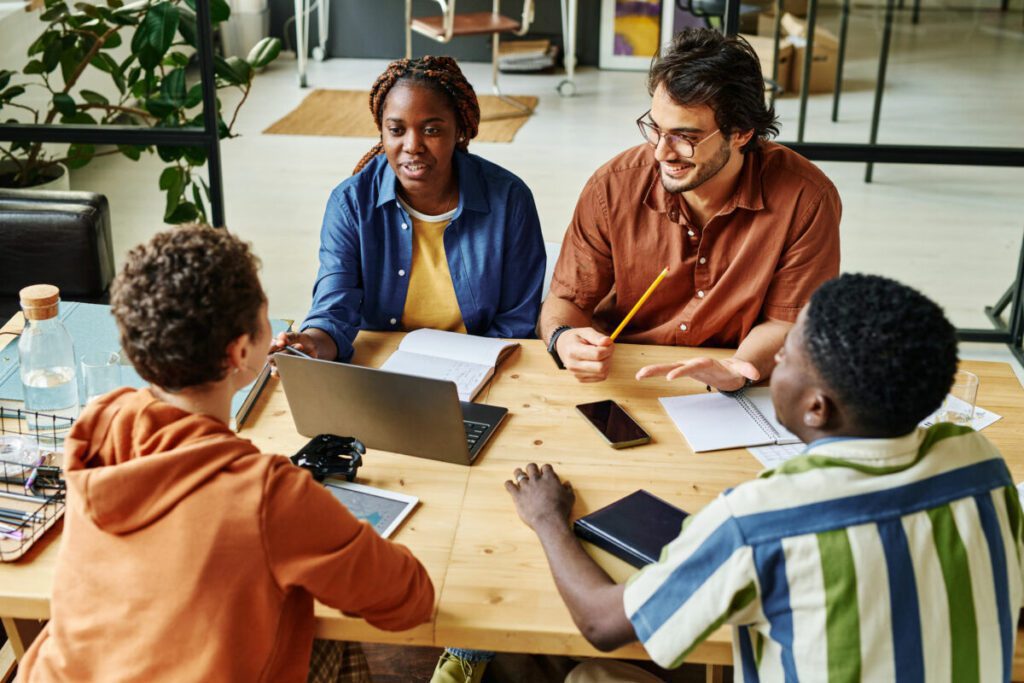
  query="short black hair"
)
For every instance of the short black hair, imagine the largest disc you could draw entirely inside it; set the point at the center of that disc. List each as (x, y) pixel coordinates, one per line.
(887, 350)
(702, 66)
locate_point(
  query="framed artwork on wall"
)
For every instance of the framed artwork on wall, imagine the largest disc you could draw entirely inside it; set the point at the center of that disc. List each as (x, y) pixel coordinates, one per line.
(632, 31)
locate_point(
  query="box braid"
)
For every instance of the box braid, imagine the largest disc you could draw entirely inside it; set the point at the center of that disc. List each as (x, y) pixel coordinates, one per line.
(444, 76)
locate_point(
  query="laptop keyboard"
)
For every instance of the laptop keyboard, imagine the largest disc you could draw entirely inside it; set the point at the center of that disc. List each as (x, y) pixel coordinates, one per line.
(474, 432)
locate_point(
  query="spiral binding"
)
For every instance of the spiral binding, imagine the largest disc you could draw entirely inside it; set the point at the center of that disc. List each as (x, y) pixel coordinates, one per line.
(757, 417)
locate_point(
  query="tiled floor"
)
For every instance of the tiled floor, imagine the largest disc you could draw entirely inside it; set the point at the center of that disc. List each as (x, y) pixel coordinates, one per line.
(954, 232)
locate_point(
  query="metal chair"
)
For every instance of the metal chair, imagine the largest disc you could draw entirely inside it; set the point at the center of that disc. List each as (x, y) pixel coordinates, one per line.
(450, 24)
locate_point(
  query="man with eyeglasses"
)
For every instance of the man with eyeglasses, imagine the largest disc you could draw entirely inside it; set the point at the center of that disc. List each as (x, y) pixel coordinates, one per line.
(747, 228)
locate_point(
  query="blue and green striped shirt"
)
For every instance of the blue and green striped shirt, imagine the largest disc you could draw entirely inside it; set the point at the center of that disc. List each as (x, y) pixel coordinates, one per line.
(864, 560)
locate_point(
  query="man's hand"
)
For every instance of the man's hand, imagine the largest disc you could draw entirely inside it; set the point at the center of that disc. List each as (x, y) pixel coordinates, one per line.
(300, 340)
(725, 375)
(586, 353)
(542, 500)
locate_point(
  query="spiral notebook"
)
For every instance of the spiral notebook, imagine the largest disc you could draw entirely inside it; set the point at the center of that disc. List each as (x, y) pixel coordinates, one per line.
(714, 421)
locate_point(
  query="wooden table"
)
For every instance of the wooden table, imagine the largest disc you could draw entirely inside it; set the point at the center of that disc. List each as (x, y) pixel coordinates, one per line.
(494, 589)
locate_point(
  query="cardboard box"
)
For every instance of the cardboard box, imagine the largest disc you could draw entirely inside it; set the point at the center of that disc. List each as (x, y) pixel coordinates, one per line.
(766, 25)
(823, 61)
(765, 47)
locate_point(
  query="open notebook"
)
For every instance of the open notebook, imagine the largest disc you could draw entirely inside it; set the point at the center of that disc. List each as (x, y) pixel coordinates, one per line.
(467, 360)
(714, 421)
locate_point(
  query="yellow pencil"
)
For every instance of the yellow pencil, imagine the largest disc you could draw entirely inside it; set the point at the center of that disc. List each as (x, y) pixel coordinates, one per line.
(647, 294)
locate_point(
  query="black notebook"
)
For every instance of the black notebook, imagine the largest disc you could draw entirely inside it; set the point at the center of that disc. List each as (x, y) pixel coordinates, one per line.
(634, 528)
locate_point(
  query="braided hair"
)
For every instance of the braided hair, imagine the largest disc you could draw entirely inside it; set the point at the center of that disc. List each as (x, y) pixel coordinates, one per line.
(443, 75)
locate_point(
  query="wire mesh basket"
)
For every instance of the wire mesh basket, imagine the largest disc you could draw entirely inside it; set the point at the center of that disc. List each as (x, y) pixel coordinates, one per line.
(31, 480)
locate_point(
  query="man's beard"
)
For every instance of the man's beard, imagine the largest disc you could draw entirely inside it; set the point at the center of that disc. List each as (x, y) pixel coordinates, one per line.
(705, 171)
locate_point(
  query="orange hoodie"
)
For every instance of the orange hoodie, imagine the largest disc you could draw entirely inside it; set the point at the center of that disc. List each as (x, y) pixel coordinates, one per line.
(187, 555)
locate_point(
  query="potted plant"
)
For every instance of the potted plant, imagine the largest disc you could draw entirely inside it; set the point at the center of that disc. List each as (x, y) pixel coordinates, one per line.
(152, 86)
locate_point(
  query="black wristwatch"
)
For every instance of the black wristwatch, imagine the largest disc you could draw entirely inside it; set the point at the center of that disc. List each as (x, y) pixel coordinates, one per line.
(554, 340)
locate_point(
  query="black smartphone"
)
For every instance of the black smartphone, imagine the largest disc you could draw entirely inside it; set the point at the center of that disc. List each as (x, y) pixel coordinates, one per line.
(614, 424)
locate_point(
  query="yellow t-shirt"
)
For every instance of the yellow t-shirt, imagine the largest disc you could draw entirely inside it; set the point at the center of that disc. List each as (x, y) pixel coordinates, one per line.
(431, 300)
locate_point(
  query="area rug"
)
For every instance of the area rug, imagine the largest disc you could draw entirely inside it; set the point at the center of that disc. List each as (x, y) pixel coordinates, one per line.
(346, 113)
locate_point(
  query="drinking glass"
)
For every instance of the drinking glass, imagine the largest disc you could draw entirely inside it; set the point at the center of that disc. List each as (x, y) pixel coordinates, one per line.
(958, 407)
(101, 372)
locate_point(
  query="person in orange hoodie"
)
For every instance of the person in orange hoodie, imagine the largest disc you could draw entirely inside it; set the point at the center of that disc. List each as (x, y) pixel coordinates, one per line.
(188, 555)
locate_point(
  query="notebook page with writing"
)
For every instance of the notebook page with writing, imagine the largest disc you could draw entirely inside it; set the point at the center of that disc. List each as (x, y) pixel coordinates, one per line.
(468, 377)
(714, 421)
(465, 348)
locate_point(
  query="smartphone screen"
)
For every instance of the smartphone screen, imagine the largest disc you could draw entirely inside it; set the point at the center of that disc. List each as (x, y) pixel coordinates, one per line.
(615, 425)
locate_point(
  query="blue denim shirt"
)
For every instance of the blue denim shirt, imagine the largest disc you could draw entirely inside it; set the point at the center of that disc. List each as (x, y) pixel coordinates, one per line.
(493, 243)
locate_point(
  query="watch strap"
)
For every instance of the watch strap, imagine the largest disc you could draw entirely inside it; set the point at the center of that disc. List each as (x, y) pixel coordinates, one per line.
(552, 349)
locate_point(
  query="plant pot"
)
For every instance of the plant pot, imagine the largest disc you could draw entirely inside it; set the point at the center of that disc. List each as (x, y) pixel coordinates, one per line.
(54, 178)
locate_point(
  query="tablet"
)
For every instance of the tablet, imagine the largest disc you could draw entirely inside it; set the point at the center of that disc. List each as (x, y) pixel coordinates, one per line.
(383, 510)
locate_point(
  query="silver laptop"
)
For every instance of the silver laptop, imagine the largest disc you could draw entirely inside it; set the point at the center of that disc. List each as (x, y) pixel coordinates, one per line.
(385, 410)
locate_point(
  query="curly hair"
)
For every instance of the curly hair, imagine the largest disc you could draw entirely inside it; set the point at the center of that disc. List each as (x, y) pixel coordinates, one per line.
(181, 299)
(702, 66)
(441, 74)
(887, 350)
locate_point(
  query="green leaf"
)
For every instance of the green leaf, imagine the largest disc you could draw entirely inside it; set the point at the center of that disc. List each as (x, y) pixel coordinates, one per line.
(195, 96)
(11, 93)
(184, 212)
(70, 60)
(113, 41)
(219, 11)
(170, 154)
(53, 13)
(172, 88)
(79, 155)
(233, 70)
(187, 27)
(197, 198)
(133, 152)
(33, 67)
(115, 4)
(160, 107)
(196, 156)
(264, 52)
(88, 9)
(63, 103)
(162, 23)
(93, 97)
(41, 42)
(79, 117)
(5, 78)
(133, 76)
(104, 62)
(172, 177)
(176, 59)
(51, 56)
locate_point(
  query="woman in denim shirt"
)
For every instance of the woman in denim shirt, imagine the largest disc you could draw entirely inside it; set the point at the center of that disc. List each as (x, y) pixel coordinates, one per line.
(425, 234)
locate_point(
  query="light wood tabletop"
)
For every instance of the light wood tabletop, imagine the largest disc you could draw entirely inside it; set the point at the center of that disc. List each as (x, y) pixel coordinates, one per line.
(494, 589)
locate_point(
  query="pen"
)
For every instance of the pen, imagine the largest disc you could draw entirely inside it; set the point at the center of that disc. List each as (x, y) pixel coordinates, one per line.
(30, 482)
(636, 307)
(294, 350)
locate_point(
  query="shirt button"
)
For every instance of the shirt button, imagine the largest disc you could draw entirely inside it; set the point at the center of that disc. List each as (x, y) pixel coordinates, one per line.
(401, 273)
(703, 260)
(394, 321)
(700, 293)
(683, 327)
(690, 233)
(405, 226)
(673, 215)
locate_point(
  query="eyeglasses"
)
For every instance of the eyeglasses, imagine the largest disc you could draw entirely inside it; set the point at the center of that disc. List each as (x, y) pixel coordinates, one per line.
(679, 144)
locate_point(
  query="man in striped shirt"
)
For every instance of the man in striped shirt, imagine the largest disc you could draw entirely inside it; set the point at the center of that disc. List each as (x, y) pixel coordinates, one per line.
(886, 552)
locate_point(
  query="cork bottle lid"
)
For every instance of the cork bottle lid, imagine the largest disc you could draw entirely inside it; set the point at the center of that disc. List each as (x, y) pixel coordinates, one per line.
(40, 301)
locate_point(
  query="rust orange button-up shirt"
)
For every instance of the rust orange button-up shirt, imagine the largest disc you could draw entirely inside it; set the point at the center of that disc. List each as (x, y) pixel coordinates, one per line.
(761, 257)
